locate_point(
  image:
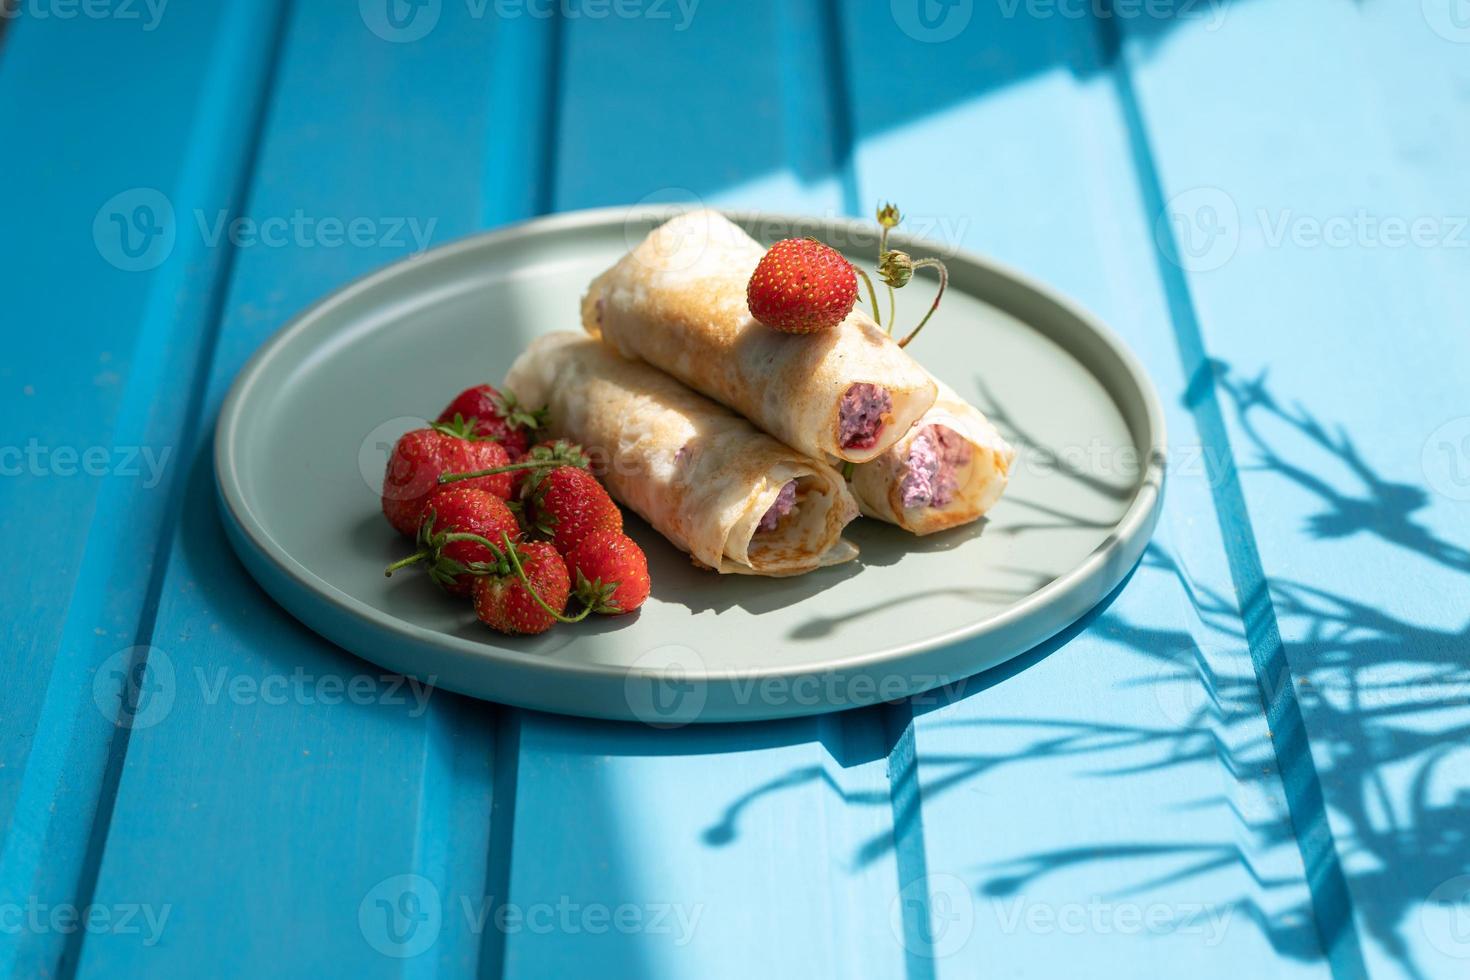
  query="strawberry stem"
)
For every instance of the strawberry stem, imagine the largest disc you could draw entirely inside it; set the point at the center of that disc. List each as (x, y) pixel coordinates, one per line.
(943, 284)
(533, 465)
(412, 559)
(515, 562)
(882, 251)
(433, 551)
(872, 296)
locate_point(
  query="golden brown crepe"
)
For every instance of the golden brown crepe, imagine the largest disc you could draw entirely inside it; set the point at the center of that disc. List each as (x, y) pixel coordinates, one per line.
(701, 475)
(678, 302)
(949, 469)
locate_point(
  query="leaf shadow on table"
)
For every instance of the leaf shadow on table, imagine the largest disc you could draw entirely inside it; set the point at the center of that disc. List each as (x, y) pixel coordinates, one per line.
(1384, 700)
(1377, 692)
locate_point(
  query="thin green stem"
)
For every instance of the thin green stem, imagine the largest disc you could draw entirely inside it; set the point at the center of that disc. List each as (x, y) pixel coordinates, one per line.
(872, 296)
(466, 536)
(892, 310)
(943, 284)
(436, 545)
(412, 559)
(515, 562)
(533, 465)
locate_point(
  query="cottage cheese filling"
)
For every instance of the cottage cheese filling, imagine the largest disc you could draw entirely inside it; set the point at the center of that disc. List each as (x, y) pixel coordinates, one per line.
(864, 410)
(785, 504)
(930, 474)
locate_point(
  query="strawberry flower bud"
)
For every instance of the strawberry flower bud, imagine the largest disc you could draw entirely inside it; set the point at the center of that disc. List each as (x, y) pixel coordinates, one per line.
(896, 269)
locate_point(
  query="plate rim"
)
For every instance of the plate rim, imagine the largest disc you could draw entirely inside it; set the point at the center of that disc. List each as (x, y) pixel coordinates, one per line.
(1127, 540)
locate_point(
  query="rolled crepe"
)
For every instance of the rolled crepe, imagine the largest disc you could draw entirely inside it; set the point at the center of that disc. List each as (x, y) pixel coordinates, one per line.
(949, 469)
(678, 302)
(731, 496)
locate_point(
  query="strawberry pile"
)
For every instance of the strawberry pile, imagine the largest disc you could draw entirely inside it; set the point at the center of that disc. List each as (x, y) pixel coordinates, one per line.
(522, 528)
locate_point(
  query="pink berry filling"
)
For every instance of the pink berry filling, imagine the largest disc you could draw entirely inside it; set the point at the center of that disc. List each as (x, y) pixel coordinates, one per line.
(785, 504)
(930, 475)
(864, 410)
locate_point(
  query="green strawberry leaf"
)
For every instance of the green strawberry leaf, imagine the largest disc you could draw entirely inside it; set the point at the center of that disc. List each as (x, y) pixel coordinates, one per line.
(596, 594)
(517, 417)
(462, 428)
(559, 453)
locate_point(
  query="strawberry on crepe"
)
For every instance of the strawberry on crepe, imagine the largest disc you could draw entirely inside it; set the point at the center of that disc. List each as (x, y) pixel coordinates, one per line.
(774, 337)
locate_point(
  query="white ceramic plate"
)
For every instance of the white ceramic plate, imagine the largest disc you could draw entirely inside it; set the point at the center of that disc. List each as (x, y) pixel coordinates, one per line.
(304, 434)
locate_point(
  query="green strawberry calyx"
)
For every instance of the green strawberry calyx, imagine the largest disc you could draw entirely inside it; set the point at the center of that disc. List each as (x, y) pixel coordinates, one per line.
(517, 417)
(461, 428)
(597, 595)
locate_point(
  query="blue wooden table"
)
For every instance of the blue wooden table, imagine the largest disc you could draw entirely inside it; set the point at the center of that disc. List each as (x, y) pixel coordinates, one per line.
(1251, 761)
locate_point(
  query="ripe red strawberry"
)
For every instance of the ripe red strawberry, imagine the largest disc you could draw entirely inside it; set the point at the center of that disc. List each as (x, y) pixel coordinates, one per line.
(504, 600)
(609, 573)
(458, 521)
(421, 456)
(480, 454)
(566, 504)
(802, 286)
(496, 416)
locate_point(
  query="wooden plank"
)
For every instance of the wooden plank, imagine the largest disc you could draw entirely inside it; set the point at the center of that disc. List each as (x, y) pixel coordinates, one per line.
(184, 774)
(1110, 799)
(703, 839)
(1320, 255)
(100, 321)
(291, 785)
